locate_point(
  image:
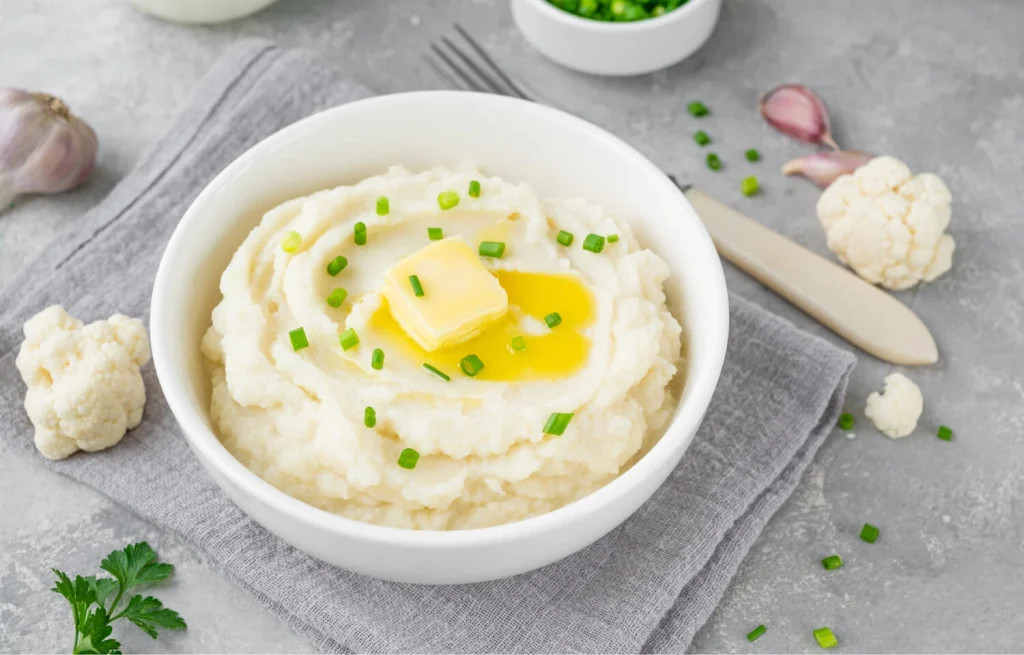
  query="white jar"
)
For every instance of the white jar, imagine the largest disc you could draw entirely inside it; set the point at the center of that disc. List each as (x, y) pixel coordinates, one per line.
(201, 11)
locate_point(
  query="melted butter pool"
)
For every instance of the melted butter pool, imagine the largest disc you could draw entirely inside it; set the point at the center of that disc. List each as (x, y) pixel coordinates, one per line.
(553, 354)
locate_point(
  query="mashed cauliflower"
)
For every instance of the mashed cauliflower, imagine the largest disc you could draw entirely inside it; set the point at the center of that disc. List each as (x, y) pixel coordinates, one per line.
(296, 417)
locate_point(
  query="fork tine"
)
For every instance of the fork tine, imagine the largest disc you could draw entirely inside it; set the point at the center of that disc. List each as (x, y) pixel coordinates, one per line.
(468, 81)
(494, 67)
(495, 87)
(448, 79)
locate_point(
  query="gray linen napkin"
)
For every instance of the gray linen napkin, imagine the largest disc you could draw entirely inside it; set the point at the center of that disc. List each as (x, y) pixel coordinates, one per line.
(648, 586)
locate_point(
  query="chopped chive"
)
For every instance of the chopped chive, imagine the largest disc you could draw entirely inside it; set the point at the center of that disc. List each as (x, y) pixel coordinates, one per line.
(557, 423)
(518, 344)
(298, 339)
(945, 433)
(383, 206)
(492, 249)
(369, 417)
(436, 372)
(553, 319)
(846, 421)
(360, 233)
(435, 233)
(594, 243)
(348, 339)
(752, 155)
(407, 458)
(377, 360)
(471, 365)
(832, 562)
(447, 199)
(749, 186)
(701, 137)
(417, 288)
(697, 108)
(336, 265)
(825, 638)
(291, 242)
(337, 297)
(612, 238)
(564, 238)
(869, 533)
(713, 162)
(474, 189)
(756, 633)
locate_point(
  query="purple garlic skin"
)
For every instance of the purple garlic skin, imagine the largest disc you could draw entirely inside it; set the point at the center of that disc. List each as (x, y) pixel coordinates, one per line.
(44, 148)
(794, 110)
(824, 167)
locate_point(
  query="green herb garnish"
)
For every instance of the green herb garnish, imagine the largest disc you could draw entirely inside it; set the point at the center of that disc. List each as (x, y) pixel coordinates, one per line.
(713, 162)
(697, 109)
(557, 423)
(846, 421)
(518, 344)
(564, 238)
(749, 186)
(360, 233)
(701, 137)
(756, 633)
(291, 242)
(407, 458)
(493, 249)
(474, 189)
(944, 433)
(298, 339)
(337, 297)
(869, 533)
(471, 365)
(612, 238)
(377, 359)
(447, 199)
(383, 206)
(752, 155)
(825, 638)
(348, 339)
(336, 265)
(832, 562)
(436, 372)
(417, 288)
(369, 417)
(618, 10)
(435, 233)
(553, 319)
(594, 243)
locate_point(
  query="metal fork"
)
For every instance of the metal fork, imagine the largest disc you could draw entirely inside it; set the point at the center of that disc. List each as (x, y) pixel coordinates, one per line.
(861, 313)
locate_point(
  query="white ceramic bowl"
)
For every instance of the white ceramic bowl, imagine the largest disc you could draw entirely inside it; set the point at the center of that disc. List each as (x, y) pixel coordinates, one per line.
(558, 155)
(201, 11)
(605, 48)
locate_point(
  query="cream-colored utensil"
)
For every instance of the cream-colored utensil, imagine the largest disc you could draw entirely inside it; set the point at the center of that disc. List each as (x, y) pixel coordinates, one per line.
(861, 313)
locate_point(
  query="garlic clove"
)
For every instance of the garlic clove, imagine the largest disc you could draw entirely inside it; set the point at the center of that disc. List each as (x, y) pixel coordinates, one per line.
(44, 148)
(793, 109)
(824, 167)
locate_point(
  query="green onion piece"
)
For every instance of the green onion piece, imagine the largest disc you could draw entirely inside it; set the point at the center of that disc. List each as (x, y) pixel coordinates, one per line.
(383, 206)
(846, 421)
(557, 423)
(553, 319)
(612, 238)
(298, 339)
(825, 638)
(447, 199)
(832, 562)
(360, 233)
(752, 155)
(594, 243)
(869, 533)
(492, 249)
(337, 297)
(471, 365)
(291, 242)
(945, 433)
(336, 265)
(369, 417)
(518, 344)
(564, 238)
(474, 189)
(713, 162)
(749, 186)
(407, 458)
(435, 233)
(701, 137)
(697, 109)
(436, 372)
(377, 360)
(349, 339)
(417, 288)
(756, 633)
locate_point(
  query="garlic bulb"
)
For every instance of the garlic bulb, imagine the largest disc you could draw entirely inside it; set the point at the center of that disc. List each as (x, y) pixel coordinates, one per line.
(794, 110)
(823, 168)
(44, 148)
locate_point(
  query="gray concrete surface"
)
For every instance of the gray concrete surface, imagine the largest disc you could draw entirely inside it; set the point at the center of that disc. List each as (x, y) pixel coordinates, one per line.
(939, 83)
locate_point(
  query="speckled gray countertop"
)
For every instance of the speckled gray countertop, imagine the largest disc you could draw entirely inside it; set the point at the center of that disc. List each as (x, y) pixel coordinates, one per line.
(938, 83)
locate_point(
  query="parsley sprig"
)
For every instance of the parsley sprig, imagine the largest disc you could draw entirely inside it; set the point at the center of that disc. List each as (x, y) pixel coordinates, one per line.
(132, 567)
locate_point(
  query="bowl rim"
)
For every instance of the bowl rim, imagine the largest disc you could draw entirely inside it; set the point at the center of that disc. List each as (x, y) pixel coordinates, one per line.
(574, 21)
(212, 453)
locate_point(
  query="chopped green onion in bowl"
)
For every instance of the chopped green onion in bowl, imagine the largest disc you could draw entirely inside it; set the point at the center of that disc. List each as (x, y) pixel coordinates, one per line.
(594, 243)
(564, 238)
(383, 206)
(474, 189)
(447, 199)
(336, 265)
(348, 339)
(417, 287)
(337, 297)
(408, 458)
(618, 11)
(435, 233)
(298, 339)
(557, 423)
(471, 365)
(377, 359)
(291, 242)
(493, 249)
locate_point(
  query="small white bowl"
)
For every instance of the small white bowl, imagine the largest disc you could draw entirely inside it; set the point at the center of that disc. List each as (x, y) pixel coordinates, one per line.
(606, 48)
(559, 156)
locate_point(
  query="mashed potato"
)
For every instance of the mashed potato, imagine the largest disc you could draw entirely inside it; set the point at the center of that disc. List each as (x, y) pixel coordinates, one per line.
(296, 417)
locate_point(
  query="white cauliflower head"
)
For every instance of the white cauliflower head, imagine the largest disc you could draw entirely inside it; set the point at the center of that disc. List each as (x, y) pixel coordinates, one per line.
(85, 389)
(895, 411)
(889, 225)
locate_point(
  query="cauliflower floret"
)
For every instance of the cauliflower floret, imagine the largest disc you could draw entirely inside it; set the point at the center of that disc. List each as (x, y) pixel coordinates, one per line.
(85, 389)
(895, 411)
(889, 225)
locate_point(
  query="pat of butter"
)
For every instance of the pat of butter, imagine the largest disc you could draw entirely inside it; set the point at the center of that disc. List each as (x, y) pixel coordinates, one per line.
(460, 296)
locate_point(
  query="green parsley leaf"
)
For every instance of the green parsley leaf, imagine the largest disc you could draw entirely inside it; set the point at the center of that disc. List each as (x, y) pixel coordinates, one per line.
(149, 614)
(94, 635)
(135, 565)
